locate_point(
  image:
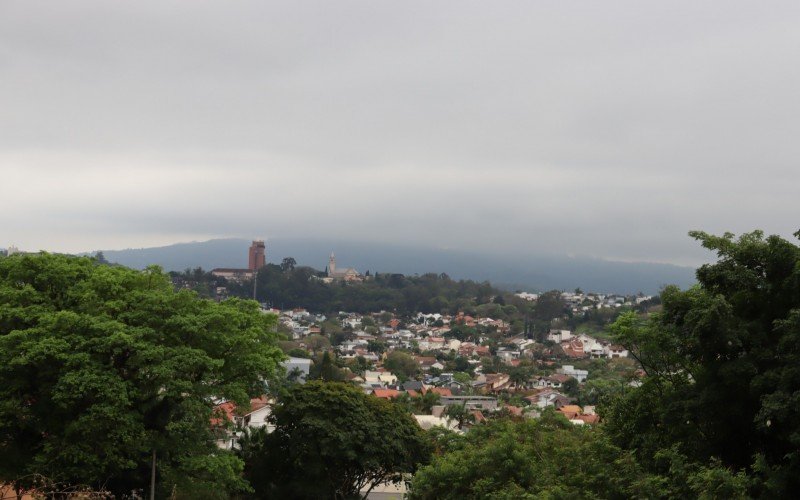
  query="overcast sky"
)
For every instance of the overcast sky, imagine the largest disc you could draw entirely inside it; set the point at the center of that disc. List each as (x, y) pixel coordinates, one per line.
(607, 128)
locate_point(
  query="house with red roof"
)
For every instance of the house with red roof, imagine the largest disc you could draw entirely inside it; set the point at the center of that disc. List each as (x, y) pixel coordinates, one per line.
(574, 348)
(385, 393)
(229, 420)
(441, 391)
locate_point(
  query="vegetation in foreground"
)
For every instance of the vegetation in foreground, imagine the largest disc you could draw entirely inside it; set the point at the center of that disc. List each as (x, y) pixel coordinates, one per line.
(101, 366)
(332, 441)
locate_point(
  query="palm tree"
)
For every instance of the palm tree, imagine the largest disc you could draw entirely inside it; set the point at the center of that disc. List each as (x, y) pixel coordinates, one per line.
(460, 414)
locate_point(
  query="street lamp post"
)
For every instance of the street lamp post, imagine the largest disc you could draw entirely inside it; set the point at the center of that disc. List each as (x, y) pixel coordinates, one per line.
(255, 280)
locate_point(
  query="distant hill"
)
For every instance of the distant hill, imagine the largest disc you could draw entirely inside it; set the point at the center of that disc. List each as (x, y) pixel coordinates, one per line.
(534, 272)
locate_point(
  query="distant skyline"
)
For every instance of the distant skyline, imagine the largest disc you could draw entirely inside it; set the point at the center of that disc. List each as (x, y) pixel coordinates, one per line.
(605, 129)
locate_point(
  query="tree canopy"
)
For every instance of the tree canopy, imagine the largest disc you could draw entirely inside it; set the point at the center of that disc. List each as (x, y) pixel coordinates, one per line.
(545, 458)
(288, 285)
(100, 366)
(331, 441)
(401, 364)
(722, 359)
(552, 458)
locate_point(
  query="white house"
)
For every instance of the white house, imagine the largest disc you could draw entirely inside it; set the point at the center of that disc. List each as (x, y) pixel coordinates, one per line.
(231, 423)
(592, 346)
(507, 355)
(381, 378)
(570, 370)
(548, 397)
(559, 336)
(353, 323)
(616, 351)
(427, 422)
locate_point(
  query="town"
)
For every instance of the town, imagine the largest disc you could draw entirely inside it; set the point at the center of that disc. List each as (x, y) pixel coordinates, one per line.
(383, 399)
(449, 370)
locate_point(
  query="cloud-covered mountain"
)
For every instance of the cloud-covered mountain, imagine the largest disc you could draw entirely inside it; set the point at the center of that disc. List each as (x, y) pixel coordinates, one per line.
(533, 272)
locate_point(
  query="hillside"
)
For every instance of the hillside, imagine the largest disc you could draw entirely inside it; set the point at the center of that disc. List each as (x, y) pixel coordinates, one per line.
(533, 272)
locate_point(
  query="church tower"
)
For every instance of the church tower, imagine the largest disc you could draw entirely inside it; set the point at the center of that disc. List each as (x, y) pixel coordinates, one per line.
(332, 265)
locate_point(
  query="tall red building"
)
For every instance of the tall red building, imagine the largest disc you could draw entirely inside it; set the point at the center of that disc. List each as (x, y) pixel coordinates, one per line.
(258, 255)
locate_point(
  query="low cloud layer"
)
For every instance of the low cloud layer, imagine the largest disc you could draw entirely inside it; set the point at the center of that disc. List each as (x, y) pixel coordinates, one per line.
(607, 129)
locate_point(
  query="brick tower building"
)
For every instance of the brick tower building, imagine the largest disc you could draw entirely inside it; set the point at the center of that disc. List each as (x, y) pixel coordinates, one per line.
(258, 255)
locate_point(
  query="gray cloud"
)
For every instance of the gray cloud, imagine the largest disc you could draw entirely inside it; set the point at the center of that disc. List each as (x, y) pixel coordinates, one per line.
(599, 128)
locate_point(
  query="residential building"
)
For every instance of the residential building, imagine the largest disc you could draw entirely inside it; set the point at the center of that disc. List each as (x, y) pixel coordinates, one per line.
(299, 366)
(471, 402)
(229, 422)
(571, 371)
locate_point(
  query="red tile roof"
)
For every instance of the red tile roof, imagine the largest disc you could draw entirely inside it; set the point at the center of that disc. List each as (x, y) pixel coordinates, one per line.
(442, 391)
(478, 416)
(386, 393)
(227, 410)
(514, 410)
(589, 419)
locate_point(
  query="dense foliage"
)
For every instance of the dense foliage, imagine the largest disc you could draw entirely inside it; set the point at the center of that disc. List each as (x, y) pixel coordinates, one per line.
(545, 458)
(331, 441)
(297, 287)
(101, 366)
(551, 458)
(723, 366)
(289, 286)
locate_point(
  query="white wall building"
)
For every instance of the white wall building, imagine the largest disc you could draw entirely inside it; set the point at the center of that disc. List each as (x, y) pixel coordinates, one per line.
(570, 370)
(303, 365)
(559, 336)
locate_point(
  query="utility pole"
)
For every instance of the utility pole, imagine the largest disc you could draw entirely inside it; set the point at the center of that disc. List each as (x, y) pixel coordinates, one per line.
(153, 477)
(255, 280)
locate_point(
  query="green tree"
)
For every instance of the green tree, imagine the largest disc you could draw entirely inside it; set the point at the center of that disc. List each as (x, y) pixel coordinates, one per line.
(402, 365)
(376, 346)
(333, 441)
(288, 264)
(325, 369)
(461, 364)
(721, 361)
(519, 375)
(463, 377)
(359, 365)
(571, 387)
(530, 459)
(461, 332)
(549, 306)
(424, 403)
(299, 353)
(99, 257)
(316, 343)
(100, 366)
(460, 413)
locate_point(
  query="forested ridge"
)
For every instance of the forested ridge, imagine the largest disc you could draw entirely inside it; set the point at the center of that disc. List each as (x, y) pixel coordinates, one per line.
(288, 286)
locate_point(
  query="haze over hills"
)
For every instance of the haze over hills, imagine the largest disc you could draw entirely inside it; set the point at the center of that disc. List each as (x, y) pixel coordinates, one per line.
(532, 272)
